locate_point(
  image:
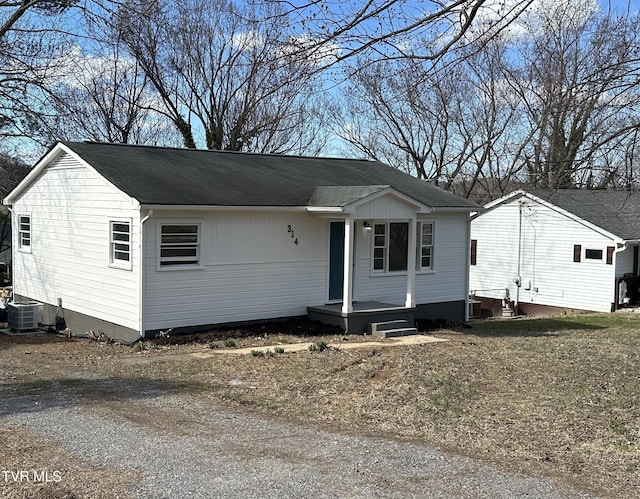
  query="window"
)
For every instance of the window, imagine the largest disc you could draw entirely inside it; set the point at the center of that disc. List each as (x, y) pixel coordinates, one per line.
(24, 232)
(379, 247)
(593, 254)
(179, 244)
(425, 245)
(390, 245)
(120, 244)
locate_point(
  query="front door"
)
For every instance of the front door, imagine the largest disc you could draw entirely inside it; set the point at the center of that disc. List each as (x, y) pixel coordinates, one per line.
(336, 260)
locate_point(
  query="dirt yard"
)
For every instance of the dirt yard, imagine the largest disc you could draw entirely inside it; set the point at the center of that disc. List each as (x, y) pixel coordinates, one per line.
(554, 397)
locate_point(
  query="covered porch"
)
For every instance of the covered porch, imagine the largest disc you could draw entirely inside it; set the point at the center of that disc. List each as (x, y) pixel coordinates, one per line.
(372, 247)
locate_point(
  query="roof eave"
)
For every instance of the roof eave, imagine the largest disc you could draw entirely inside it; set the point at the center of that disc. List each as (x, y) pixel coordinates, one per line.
(211, 207)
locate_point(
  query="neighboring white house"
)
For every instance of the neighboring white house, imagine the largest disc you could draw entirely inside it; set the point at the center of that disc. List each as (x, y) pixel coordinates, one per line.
(566, 249)
(133, 239)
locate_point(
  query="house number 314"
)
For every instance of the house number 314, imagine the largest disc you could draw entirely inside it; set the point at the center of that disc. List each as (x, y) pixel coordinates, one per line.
(293, 234)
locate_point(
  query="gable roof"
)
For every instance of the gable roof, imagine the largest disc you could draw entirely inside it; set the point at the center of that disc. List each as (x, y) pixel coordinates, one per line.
(616, 212)
(190, 177)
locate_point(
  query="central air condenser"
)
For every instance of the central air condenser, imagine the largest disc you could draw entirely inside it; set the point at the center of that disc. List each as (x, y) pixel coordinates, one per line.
(24, 315)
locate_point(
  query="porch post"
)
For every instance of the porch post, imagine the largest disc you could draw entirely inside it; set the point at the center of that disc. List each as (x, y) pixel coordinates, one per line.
(347, 290)
(410, 300)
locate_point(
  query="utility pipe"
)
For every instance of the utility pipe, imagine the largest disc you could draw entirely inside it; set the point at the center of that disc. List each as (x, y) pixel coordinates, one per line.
(142, 272)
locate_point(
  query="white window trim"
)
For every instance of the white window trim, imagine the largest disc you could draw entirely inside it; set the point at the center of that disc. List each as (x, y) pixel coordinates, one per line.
(419, 267)
(19, 232)
(178, 221)
(385, 264)
(113, 261)
(602, 259)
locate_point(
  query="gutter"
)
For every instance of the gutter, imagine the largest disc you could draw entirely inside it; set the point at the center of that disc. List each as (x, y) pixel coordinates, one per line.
(200, 207)
(142, 272)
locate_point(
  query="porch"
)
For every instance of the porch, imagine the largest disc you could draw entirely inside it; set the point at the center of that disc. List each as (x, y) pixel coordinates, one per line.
(357, 320)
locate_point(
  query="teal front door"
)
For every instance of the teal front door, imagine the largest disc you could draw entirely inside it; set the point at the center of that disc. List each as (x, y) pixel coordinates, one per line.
(336, 260)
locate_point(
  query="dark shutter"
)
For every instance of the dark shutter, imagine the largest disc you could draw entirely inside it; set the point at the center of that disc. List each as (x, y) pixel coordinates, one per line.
(474, 251)
(610, 250)
(577, 252)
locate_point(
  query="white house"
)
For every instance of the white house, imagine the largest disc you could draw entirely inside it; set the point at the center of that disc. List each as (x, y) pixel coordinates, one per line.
(132, 240)
(557, 249)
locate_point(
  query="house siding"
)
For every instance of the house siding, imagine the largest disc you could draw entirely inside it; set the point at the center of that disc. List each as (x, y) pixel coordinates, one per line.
(447, 281)
(70, 207)
(252, 269)
(543, 261)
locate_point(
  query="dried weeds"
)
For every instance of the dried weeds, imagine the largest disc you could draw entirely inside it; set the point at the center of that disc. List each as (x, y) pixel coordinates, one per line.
(550, 397)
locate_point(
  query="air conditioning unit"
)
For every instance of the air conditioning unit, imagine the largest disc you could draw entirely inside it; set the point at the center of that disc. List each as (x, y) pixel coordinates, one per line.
(24, 315)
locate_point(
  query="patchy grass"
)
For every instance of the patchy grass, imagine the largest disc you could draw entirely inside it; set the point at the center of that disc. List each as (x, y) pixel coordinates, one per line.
(552, 396)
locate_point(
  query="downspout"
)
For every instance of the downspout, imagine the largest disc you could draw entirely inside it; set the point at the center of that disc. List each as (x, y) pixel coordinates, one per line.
(467, 267)
(518, 282)
(616, 297)
(13, 247)
(142, 272)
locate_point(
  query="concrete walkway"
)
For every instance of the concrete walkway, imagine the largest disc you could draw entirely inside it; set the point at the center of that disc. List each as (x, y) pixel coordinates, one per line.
(416, 339)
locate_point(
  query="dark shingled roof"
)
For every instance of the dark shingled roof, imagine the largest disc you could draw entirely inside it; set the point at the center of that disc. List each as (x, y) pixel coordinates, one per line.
(166, 176)
(617, 212)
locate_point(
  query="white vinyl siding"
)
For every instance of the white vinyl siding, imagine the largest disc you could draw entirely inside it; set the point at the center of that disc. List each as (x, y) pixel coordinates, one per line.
(70, 207)
(537, 245)
(251, 269)
(447, 281)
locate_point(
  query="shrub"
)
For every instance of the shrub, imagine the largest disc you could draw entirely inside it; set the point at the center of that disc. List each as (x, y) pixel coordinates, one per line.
(229, 343)
(318, 346)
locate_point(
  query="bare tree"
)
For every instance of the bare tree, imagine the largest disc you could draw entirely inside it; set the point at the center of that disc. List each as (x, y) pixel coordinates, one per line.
(29, 47)
(578, 78)
(554, 103)
(12, 171)
(452, 124)
(106, 97)
(227, 75)
(397, 29)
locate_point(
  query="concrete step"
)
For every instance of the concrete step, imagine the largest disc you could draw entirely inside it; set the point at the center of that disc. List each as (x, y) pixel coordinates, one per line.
(375, 327)
(388, 329)
(392, 333)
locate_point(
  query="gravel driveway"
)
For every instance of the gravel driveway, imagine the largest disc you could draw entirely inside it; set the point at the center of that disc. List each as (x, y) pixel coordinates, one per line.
(216, 453)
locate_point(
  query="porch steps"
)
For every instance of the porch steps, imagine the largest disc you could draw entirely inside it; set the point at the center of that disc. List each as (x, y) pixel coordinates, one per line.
(388, 329)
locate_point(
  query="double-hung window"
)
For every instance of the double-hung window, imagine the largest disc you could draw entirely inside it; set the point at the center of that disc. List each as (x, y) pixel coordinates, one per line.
(379, 247)
(120, 244)
(425, 245)
(179, 245)
(390, 245)
(24, 233)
